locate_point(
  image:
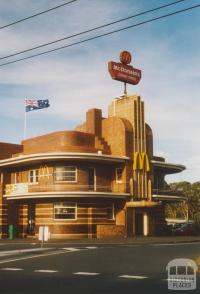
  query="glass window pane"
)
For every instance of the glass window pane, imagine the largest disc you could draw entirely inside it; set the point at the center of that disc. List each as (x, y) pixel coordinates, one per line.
(70, 168)
(65, 216)
(70, 179)
(65, 173)
(119, 174)
(65, 211)
(70, 174)
(59, 177)
(36, 175)
(33, 175)
(60, 168)
(110, 213)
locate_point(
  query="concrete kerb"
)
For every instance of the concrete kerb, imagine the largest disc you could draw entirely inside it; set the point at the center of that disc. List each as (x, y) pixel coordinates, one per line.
(125, 241)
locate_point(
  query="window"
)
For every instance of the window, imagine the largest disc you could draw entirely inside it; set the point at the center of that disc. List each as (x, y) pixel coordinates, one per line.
(111, 212)
(65, 211)
(119, 175)
(33, 176)
(65, 173)
(1, 178)
(92, 179)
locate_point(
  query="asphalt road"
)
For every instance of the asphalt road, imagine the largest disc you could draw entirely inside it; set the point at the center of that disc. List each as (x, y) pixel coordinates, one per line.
(102, 269)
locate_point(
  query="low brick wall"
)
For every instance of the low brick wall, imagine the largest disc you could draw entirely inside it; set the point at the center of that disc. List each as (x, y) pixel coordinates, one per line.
(110, 231)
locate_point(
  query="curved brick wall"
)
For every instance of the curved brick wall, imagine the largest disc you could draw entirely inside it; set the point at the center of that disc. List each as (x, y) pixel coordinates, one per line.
(65, 141)
(7, 149)
(118, 133)
(149, 140)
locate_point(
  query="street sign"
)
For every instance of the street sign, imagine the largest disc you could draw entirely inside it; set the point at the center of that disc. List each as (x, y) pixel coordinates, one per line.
(43, 233)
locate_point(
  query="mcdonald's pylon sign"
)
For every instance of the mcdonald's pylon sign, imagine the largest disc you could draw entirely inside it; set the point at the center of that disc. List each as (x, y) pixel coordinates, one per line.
(44, 171)
(141, 161)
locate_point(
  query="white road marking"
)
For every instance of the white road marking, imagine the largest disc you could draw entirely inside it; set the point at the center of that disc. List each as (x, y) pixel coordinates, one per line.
(71, 249)
(175, 244)
(132, 277)
(46, 271)
(33, 256)
(129, 245)
(175, 280)
(86, 273)
(91, 247)
(13, 252)
(11, 269)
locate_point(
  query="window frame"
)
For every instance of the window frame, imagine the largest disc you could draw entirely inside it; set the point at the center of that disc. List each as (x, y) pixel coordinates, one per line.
(1, 178)
(35, 176)
(65, 181)
(67, 205)
(16, 177)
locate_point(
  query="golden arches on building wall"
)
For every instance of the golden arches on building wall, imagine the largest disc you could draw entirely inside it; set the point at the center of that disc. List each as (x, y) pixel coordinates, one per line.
(44, 171)
(141, 161)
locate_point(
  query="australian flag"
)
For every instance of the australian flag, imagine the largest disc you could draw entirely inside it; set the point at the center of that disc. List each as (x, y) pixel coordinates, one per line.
(32, 104)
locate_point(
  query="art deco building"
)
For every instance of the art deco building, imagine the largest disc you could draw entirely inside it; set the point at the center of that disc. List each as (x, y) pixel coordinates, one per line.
(100, 180)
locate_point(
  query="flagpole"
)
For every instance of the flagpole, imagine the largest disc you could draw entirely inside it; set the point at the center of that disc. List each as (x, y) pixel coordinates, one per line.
(25, 124)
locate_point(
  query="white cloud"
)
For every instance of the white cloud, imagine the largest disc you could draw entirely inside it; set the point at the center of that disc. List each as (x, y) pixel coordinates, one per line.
(76, 79)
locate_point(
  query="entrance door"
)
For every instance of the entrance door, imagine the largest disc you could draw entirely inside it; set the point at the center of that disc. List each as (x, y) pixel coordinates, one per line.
(130, 220)
(139, 224)
(91, 179)
(31, 219)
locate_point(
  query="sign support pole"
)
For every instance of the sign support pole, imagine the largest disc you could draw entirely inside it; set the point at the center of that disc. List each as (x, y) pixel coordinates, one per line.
(125, 89)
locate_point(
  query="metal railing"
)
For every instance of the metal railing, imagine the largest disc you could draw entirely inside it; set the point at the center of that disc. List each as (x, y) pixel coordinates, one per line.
(167, 192)
(24, 188)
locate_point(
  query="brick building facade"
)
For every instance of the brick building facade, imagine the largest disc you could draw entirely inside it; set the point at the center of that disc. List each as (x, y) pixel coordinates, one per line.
(100, 180)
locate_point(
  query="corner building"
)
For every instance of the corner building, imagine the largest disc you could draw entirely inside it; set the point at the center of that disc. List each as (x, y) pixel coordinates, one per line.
(100, 180)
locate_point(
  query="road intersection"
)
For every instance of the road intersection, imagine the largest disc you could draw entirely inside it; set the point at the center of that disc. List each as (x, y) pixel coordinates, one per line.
(124, 268)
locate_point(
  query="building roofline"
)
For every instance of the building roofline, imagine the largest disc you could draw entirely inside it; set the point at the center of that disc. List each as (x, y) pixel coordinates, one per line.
(70, 194)
(21, 159)
(168, 167)
(168, 197)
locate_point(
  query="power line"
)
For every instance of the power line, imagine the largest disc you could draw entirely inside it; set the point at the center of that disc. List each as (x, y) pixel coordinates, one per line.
(102, 35)
(90, 30)
(37, 14)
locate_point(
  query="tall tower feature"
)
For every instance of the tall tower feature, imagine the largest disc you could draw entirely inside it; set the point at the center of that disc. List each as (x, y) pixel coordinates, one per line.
(100, 180)
(132, 109)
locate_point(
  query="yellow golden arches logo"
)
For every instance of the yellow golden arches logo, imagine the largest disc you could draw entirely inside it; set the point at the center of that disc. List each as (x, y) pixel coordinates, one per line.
(141, 161)
(9, 189)
(44, 171)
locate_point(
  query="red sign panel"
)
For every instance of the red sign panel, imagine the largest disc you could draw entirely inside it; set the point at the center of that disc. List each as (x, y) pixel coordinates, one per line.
(124, 73)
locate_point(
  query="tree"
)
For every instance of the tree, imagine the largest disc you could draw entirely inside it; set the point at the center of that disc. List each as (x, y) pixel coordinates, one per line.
(192, 195)
(197, 220)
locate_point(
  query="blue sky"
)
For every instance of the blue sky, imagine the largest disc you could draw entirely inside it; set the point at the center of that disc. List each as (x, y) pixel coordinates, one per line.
(75, 79)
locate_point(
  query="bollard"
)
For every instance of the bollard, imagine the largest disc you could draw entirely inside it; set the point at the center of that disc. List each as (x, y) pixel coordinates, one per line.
(11, 232)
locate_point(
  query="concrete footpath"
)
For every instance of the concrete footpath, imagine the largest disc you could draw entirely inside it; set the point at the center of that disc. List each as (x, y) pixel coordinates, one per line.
(124, 241)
